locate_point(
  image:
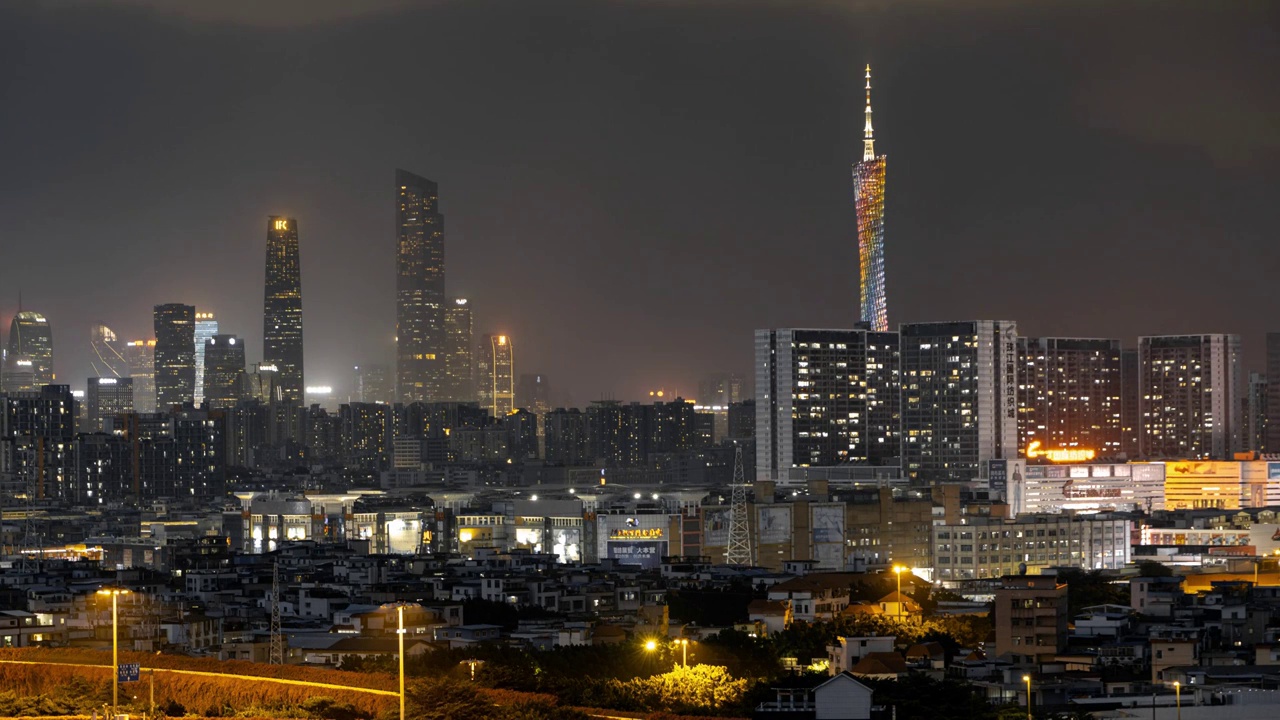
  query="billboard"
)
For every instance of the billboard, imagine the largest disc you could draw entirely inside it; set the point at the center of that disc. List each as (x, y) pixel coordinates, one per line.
(827, 521)
(1273, 471)
(773, 525)
(715, 526)
(998, 474)
(647, 554)
(1198, 469)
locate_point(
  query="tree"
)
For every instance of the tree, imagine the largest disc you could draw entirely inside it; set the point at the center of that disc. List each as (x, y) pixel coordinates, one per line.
(432, 699)
(1151, 568)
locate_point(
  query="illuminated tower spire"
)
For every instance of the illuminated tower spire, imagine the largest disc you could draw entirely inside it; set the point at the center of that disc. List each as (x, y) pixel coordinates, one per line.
(868, 193)
(868, 135)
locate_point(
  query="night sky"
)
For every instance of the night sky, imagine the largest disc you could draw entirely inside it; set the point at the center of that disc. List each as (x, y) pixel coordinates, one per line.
(630, 188)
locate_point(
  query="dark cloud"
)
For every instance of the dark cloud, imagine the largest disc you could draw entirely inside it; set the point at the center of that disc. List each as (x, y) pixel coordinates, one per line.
(631, 187)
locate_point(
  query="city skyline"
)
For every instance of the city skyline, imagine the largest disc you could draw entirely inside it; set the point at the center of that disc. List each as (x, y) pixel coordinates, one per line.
(1091, 193)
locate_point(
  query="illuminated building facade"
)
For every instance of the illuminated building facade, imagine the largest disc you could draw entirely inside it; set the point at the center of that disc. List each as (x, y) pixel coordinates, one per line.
(868, 192)
(175, 358)
(223, 371)
(374, 384)
(420, 299)
(108, 356)
(28, 358)
(1130, 403)
(141, 358)
(106, 398)
(496, 375)
(1221, 485)
(1254, 422)
(459, 363)
(1069, 394)
(1191, 387)
(988, 548)
(825, 398)
(37, 430)
(282, 308)
(1088, 488)
(206, 327)
(959, 398)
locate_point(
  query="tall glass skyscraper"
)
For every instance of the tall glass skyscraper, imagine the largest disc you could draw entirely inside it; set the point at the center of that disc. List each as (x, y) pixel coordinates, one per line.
(206, 327)
(496, 375)
(224, 371)
(282, 307)
(175, 359)
(28, 361)
(868, 192)
(459, 368)
(420, 314)
(108, 358)
(141, 356)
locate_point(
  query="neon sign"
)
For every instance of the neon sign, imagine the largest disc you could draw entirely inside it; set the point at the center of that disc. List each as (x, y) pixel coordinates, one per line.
(1059, 455)
(636, 534)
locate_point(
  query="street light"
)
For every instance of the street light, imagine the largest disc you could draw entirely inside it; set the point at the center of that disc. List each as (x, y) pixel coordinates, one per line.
(651, 645)
(1027, 680)
(1177, 693)
(399, 607)
(115, 593)
(684, 650)
(897, 571)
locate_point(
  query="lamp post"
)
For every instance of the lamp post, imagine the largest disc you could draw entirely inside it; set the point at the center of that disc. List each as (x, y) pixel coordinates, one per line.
(684, 650)
(897, 572)
(1027, 680)
(400, 632)
(1177, 694)
(115, 593)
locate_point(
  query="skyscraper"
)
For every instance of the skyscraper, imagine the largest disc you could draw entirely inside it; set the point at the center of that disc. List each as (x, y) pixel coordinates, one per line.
(826, 398)
(1273, 392)
(282, 307)
(108, 358)
(374, 384)
(959, 398)
(496, 375)
(141, 358)
(1191, 390)
(206, 327)
(459, 364)
(106, 398)
(223, 371)
(1130, 403)
(1069, 394)
(420, 301)
(175, 358)
(868, 192)
(29, 356)
(1254, 424)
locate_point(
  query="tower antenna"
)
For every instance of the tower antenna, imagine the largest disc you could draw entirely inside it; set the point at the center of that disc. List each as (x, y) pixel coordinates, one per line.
(739, 550)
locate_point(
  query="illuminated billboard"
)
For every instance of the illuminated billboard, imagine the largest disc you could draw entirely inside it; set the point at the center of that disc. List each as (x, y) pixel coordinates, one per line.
(1059, 455)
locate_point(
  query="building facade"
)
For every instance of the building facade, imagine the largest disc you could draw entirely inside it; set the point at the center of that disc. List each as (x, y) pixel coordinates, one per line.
(106, 398)
(28, 360)
(825, 398)
(224, 371)
(1069, 394)
(496, 374)
(959, 398)
(206, 327)
(459, 362)
(1191, 387)
(175, 354)
(141, 358)
(108, 353)
(282, 308)
(1273, 392)
(420, 298)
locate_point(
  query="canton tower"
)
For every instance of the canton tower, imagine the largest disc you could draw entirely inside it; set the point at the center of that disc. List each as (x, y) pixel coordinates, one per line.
(868, 192)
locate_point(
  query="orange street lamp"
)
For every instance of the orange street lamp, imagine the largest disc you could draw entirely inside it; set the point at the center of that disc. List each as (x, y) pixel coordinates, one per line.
(651, 645)
(115, 593)
(399, 607)
(1177, 693)
(684, 650)
(1027, 680)
(897, 571)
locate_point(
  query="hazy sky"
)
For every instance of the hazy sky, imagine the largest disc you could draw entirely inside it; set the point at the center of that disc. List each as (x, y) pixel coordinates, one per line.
(630, 188)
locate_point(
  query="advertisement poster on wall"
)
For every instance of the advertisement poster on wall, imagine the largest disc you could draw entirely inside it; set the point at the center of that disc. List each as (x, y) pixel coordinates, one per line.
(774, 524)
(647, 554)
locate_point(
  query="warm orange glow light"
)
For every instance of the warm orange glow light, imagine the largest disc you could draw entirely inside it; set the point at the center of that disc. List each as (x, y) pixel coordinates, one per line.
(1060, 455)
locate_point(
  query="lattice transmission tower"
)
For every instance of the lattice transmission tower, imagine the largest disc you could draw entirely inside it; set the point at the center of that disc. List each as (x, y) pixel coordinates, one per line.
(277, 640)
(739, 551)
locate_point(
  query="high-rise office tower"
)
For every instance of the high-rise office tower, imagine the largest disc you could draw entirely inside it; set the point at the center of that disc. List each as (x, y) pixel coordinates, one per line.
(29, 356)
(496, 375)
(420, 301)
(1130, 404)
(1273, 392)
(106, 398)
(223, 371)
(1191, 389)
(459, 363)
(959, 398)
(533, 393)
(140, 356)
(175, 363)
(374, 384)
(108, 358)
(282, 307)
(825, 398)
(868, 192)
(1069, 394)
(1255, 422)
(206, 327)
(722, 389)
